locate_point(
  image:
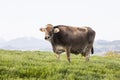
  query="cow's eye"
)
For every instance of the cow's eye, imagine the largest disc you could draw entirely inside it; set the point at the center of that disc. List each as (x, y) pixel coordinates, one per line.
(50, 33)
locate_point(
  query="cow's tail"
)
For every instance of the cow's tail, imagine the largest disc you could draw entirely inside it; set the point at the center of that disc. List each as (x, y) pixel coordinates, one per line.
(92, 50)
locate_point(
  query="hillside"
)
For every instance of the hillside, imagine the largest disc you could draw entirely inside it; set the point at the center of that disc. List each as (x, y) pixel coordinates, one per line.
(105, 46)
(26, 43)
(36, 65)
(30, 43)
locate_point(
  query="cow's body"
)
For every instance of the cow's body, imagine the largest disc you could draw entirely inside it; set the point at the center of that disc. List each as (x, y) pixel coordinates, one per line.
(70, 39)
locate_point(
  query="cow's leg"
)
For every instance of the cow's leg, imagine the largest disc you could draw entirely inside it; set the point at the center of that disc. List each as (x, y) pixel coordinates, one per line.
(68, 54)
(87, 55)
(57, 55)
(89, 50)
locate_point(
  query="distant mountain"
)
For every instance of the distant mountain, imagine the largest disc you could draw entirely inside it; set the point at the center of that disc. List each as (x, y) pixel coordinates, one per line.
(2, 40)
(104, 46)
(26, 43)
(30, 43)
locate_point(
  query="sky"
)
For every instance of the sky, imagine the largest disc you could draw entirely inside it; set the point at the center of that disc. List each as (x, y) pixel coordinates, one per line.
(23, 18)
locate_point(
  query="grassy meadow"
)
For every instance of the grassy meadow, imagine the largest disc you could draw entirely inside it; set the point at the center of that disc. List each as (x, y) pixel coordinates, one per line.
(37, 65)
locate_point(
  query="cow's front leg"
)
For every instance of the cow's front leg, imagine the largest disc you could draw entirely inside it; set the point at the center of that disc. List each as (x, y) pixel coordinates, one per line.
(57, 56)
(68, 54)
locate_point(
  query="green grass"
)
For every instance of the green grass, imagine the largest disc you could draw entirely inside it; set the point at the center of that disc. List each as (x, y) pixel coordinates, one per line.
(37, 65)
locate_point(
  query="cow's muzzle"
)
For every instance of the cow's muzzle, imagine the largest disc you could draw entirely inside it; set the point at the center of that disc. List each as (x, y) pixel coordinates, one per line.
(47, 37)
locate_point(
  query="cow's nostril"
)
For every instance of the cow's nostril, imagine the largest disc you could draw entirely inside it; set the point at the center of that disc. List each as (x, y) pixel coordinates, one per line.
(45, 37)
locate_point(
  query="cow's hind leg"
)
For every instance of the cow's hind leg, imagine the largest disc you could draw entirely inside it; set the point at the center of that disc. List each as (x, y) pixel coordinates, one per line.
(87, 55)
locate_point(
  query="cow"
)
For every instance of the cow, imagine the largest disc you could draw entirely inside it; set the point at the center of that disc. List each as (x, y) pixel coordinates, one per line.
(69, 39)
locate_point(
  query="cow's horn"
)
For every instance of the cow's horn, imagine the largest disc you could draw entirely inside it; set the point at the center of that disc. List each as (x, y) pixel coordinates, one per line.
(56, 30)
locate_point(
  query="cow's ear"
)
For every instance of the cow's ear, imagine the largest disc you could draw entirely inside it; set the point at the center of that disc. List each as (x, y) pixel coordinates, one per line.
(42, 29)
(56, 30)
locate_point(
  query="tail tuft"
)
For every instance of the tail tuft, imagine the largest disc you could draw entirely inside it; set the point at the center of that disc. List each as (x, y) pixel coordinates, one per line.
(92, 50)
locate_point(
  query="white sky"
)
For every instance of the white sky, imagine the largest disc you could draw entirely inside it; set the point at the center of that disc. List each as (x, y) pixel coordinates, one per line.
(23, 18)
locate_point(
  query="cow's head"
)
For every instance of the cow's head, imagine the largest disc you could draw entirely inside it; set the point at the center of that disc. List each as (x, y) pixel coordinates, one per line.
(49, 31)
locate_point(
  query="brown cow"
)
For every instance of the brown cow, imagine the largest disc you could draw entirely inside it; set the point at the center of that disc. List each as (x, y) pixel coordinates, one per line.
(70, 39)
